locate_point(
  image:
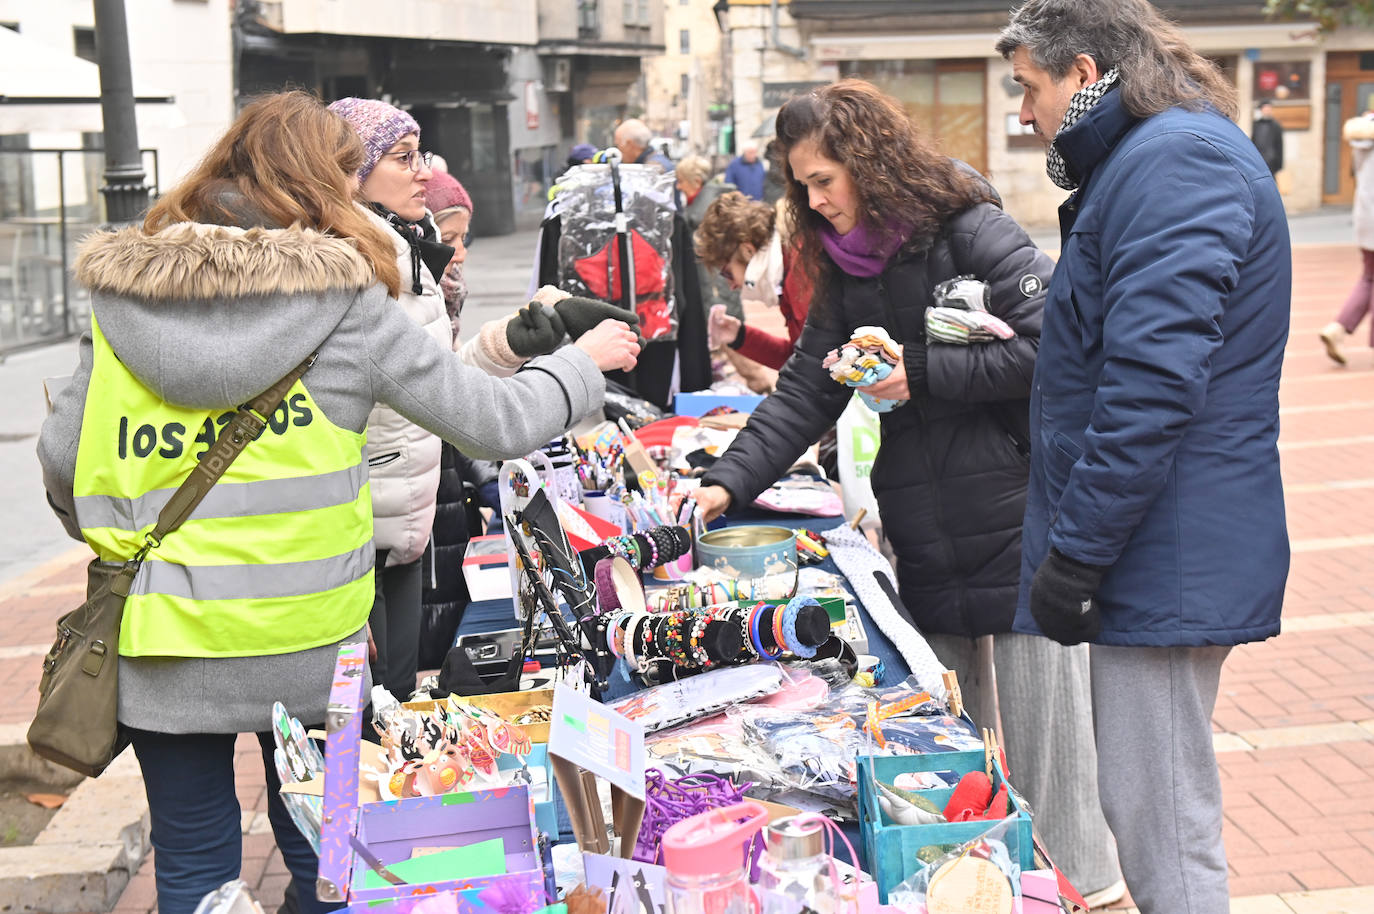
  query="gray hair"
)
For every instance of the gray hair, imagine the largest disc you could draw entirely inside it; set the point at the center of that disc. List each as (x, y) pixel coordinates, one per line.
(693, 169)
(1159, 69)
(635, 131)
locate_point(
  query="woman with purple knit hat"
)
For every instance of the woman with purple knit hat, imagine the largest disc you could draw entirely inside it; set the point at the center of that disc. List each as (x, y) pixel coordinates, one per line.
(403, 459)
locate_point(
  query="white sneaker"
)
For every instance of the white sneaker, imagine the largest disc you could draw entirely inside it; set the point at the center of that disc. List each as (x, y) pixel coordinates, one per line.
(1333, 334)
(1110, 895)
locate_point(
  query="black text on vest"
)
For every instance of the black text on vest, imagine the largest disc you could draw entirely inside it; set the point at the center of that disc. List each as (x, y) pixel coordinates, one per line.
(168, 440)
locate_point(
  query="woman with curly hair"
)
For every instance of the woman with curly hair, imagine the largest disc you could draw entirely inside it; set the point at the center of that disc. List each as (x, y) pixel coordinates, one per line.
(742, 240)
(885, 219)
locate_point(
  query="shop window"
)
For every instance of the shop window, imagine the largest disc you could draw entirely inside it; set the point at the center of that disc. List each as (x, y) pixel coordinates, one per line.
(83, 42)
(945, 98)
(684, 40)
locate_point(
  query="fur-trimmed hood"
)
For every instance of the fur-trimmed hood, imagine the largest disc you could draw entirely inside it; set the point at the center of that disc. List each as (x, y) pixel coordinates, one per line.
(190, 260)
(211, 315)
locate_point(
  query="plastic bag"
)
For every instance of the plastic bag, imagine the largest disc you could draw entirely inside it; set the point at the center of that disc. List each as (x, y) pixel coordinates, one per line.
(965, 878)
(857, 437)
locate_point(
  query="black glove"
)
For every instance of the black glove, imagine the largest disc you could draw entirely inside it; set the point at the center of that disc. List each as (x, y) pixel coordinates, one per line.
(535, 330)
(582, 314)
(1062, 598)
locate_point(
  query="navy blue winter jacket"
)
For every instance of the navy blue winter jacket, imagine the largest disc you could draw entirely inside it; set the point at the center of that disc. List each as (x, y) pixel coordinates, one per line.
(1155, 405)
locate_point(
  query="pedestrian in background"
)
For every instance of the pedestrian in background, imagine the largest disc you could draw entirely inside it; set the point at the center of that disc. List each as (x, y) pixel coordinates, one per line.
(581, 154)
(403, 458)
(1155, 519)
(745, 171)
(632, 138)
(255, 262)
(698, 193)
(1267, 134)
(1359, 133)
(883, 218)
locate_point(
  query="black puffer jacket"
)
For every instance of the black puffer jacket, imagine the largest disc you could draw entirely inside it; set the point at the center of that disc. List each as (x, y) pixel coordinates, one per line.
(456, 520)
(950, 477)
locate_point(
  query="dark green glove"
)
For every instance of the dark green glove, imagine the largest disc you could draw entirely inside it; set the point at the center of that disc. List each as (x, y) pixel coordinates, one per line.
(535, 330)
(1063, 598)
(582, 314)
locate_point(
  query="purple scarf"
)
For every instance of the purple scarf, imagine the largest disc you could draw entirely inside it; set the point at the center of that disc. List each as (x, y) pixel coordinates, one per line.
(862, 252)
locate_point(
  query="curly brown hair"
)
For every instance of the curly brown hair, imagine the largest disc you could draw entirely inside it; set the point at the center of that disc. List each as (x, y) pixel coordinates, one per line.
(897, 174)
(731, 220)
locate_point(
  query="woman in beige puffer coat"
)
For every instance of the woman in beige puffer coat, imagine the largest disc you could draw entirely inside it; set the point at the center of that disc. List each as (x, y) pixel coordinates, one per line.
(403, 459)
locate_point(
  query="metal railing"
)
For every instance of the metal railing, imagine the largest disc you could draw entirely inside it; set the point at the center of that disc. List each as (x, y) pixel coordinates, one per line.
(49, 200)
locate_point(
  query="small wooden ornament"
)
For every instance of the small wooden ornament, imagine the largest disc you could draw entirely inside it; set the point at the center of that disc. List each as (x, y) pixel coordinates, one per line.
(969, 885)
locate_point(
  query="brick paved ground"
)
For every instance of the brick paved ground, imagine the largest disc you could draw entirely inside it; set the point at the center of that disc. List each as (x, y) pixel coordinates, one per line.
(1295, 718)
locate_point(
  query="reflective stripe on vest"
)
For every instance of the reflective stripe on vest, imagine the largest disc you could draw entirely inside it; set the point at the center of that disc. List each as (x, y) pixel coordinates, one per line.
(277, 558)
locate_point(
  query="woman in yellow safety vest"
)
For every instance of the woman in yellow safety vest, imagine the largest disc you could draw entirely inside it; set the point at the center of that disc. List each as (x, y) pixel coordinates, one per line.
(258, 259)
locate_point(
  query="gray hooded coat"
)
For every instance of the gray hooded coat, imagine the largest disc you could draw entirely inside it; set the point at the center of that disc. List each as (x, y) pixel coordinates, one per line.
(209, 316)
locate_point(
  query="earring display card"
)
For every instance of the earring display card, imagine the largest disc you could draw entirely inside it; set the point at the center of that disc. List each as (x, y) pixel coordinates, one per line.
(592, 736)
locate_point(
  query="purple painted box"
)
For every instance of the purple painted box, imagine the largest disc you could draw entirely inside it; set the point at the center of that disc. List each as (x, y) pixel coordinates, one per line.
(392, 829)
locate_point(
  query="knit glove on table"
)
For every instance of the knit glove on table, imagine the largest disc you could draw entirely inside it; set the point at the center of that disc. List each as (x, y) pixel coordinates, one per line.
(582, 314)
(1063, 598)
(534, 330)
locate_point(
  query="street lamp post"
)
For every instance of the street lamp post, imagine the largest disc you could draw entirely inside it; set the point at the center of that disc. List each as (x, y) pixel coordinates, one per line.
(126, 186)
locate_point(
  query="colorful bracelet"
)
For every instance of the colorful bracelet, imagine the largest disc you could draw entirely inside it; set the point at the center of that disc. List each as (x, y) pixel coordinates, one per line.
(789, 626)
(779, 638)
(696, 640)
(756, 638)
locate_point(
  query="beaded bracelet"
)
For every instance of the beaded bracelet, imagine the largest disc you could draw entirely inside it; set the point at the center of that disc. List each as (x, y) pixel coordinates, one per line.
(789, 626)
(675, 640)
(695, 641)
(756, 638)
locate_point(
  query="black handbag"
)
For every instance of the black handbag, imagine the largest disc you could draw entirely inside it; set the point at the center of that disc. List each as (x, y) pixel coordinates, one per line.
(77, 722)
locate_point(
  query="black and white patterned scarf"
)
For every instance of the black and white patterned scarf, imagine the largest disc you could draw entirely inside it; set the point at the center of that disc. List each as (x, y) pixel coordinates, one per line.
(1082, 102)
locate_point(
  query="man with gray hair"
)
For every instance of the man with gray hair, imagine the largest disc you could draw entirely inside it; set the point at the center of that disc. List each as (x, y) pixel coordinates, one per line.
(632, 139)
(1155, 517)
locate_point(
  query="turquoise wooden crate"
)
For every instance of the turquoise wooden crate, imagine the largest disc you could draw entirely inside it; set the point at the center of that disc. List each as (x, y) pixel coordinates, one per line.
(891, 849)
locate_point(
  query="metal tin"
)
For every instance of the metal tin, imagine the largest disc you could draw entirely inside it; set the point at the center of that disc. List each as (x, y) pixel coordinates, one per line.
(747, 552)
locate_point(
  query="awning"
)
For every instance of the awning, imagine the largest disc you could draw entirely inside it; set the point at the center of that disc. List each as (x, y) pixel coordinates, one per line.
(43, 88)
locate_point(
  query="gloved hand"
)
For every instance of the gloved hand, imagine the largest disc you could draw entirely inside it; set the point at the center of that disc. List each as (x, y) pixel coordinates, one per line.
(582, 314)
(534, 330)
(1063, 598)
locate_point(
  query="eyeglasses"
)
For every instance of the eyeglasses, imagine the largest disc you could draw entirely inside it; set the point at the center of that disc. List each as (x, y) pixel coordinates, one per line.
(413, 158)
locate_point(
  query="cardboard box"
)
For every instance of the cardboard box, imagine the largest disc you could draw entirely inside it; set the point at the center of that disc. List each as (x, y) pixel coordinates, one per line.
(486, 568)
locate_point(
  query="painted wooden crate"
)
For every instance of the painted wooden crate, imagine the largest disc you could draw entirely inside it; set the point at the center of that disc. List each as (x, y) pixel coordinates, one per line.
(891, 849)
(391, 830)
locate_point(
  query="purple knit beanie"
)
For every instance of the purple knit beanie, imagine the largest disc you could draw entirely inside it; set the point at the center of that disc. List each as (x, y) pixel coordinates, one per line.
(377, 124)
(444, 192)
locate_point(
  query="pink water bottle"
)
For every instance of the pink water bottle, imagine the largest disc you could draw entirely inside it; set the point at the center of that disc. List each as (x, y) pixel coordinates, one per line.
(707, 861)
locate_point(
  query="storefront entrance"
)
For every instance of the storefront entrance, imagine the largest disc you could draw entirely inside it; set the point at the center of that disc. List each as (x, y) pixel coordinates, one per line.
(1349, 91)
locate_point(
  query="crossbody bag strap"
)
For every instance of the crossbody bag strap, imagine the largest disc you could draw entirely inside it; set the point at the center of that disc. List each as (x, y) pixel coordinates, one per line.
(246, 426)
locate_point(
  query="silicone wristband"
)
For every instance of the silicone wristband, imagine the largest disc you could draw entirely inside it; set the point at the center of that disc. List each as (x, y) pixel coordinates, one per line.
(757, 638)
(779, 638)
(604, 577)
(789, 626)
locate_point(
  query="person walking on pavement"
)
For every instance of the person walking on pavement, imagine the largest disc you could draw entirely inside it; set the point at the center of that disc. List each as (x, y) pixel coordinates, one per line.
(632, 139)
(746, 172)
(889, 218)
(403, 458)
(256, 262)
(1154, 524)
(1267, 135)
(1359, 133)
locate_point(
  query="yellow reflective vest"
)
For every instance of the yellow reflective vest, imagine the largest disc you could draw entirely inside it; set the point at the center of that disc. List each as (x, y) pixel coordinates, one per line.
(277, 558)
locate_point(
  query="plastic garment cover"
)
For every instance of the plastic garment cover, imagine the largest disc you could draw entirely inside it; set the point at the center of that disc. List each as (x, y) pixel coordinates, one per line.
(590, 249)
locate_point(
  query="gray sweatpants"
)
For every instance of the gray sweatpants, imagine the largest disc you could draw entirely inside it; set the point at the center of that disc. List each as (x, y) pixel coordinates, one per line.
(1157, 774)
(1043, 691)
